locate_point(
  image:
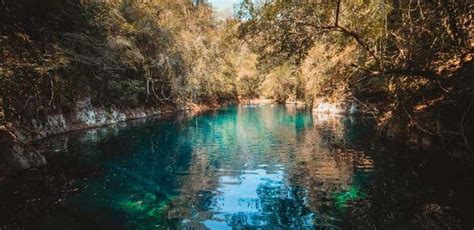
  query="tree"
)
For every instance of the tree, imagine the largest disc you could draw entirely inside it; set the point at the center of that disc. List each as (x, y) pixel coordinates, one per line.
(412, 59)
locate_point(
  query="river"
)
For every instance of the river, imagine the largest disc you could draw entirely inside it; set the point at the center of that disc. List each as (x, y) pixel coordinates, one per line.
(252, 167)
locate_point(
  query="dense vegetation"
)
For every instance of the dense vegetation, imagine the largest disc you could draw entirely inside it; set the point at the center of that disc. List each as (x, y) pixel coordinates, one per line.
(119, 54)
(408, 62)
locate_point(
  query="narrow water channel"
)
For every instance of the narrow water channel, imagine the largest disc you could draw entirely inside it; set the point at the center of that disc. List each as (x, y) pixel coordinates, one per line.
(267, 167)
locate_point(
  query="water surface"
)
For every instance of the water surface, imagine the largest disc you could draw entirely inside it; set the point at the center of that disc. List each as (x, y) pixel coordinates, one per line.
(241, 167)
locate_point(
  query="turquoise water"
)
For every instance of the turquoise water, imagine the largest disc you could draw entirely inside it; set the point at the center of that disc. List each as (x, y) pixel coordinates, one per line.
(266, 167)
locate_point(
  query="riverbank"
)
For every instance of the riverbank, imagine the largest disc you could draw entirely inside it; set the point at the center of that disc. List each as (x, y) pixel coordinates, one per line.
(15, 139)
(76, 65)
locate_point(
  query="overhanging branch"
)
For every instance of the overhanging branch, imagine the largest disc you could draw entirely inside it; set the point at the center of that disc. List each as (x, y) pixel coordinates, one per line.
(336, 27)
(428, 74)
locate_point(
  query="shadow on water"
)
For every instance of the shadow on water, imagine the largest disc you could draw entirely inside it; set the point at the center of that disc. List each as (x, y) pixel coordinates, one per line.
(268, 166)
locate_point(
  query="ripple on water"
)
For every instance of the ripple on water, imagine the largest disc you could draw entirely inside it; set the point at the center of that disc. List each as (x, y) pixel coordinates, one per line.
(242, 167)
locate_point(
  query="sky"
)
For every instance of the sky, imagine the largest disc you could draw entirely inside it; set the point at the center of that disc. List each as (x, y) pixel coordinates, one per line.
(223, 5)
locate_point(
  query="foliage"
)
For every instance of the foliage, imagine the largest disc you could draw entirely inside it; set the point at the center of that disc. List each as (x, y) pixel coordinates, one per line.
(124, 53)
(279, 84)
(285, 30)
(326, 70)
(407, 60)
(248, 76)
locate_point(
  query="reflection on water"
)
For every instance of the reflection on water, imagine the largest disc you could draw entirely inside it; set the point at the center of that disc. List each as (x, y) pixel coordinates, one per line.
(240, 167)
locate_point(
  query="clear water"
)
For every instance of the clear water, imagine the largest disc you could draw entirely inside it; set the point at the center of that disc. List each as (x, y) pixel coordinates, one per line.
(260, 167)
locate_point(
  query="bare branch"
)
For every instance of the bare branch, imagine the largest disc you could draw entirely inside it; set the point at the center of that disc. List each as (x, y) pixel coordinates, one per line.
(338, 9)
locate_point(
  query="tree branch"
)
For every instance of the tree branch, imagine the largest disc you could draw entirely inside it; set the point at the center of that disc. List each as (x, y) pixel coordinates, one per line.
(412, 72)
(336, 27)
(338, 9)
(359, 41)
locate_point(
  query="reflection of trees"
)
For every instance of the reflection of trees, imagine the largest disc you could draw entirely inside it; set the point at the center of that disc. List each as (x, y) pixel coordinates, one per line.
(182, 173)
(328, 174)
(135, 172)
(313, 164)
(232, 142)
(287, 209)
(196, 192)
(210, 135)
